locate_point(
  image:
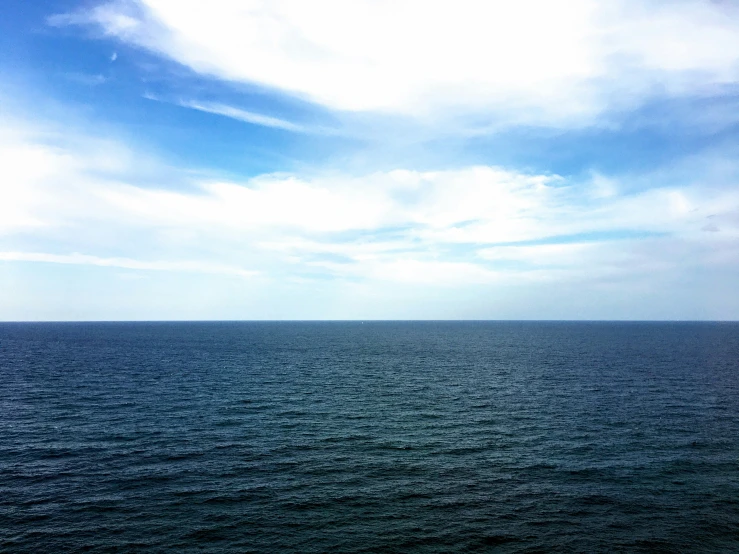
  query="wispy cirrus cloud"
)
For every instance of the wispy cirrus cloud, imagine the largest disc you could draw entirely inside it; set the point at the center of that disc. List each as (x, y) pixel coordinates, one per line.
(244, 115)
(127, 263)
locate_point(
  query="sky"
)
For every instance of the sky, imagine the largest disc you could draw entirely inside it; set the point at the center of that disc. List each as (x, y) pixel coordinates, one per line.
(369, 159)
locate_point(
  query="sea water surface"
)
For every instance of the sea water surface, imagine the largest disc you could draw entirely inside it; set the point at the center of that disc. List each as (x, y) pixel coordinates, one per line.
(369, 437)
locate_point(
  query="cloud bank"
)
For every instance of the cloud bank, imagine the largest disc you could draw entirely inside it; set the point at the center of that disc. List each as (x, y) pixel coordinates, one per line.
(472, 225)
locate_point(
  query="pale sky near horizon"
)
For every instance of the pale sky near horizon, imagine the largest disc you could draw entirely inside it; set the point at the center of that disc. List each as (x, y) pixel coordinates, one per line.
(165, 159)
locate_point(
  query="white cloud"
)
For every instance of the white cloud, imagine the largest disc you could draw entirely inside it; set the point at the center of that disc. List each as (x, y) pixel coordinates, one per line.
(596, 260)
(269, 202)
(27, 169)
(60, 193)
(126, 263)
(531, 61)
(428, 272)
(243, 115)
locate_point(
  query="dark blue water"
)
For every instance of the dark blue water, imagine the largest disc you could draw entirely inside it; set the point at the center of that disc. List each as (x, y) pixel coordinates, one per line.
(374, 437)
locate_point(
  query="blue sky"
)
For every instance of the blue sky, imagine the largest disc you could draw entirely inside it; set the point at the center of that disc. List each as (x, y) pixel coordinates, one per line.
(165, 159)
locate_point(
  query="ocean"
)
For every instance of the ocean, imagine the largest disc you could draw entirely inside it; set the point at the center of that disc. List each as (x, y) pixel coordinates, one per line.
(369, 437)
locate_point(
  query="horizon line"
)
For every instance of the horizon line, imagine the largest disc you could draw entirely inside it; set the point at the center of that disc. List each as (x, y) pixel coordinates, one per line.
(370, 321)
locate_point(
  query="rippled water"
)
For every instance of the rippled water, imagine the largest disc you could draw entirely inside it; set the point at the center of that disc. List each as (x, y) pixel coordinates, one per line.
(374, 437)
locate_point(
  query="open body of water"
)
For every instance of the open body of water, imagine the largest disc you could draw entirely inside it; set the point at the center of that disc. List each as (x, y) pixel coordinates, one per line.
(374, 437)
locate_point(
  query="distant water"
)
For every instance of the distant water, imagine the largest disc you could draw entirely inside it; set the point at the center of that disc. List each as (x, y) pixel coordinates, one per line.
(374, 437)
